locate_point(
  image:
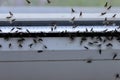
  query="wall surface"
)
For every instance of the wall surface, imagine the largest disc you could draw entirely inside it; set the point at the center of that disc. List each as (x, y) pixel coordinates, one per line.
(62, 60)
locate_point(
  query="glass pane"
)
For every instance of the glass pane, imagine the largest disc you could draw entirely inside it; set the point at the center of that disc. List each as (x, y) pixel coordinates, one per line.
(83, 3)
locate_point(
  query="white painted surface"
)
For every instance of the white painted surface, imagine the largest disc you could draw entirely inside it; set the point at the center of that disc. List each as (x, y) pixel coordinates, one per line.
(60, 70)
(58, 16)
(54, 43)
(62, 61)
(47, 29)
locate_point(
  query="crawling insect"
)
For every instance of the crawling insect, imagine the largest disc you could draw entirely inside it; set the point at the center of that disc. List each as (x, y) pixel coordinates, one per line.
(105, 30)
(13, 20)
(72, 10)
(104, 40)
(19, 28)
(115, 30)
(105, 19)
(20, 45)
(114, 16)
(71, 37)
(16, 31)
(20, 40)
(86, 30)
(10, 45)
(74, 26)
(90, 43)
(117, 76)
(0, 46)
(86, 47)
(109, 45)
(39, 51)
(28, 1)
(45, 46)
(27, 30)
(92, 30)
(40, 39)
(12, 29)
(109, 7)
(30, 45)
(34, 40)
(48, 1)
(103, 13)
(99, 38)
(89, 61)
(55, 26)
(73, 19)
(11, 14)
(8, 17)
(95, 42)
(106, 4)
(81, 13)
(51, 28)
(99, 45)
(82, 40)
(0, 30)
(114, 56)
(100, 51)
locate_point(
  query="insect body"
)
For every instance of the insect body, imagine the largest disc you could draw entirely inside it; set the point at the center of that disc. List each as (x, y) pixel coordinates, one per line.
(28, 1)
(39, 51)
(72, 10)
(48, 1)
(106, 4)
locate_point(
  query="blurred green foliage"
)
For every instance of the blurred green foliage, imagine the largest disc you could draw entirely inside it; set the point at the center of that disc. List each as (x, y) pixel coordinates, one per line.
(84, 3)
